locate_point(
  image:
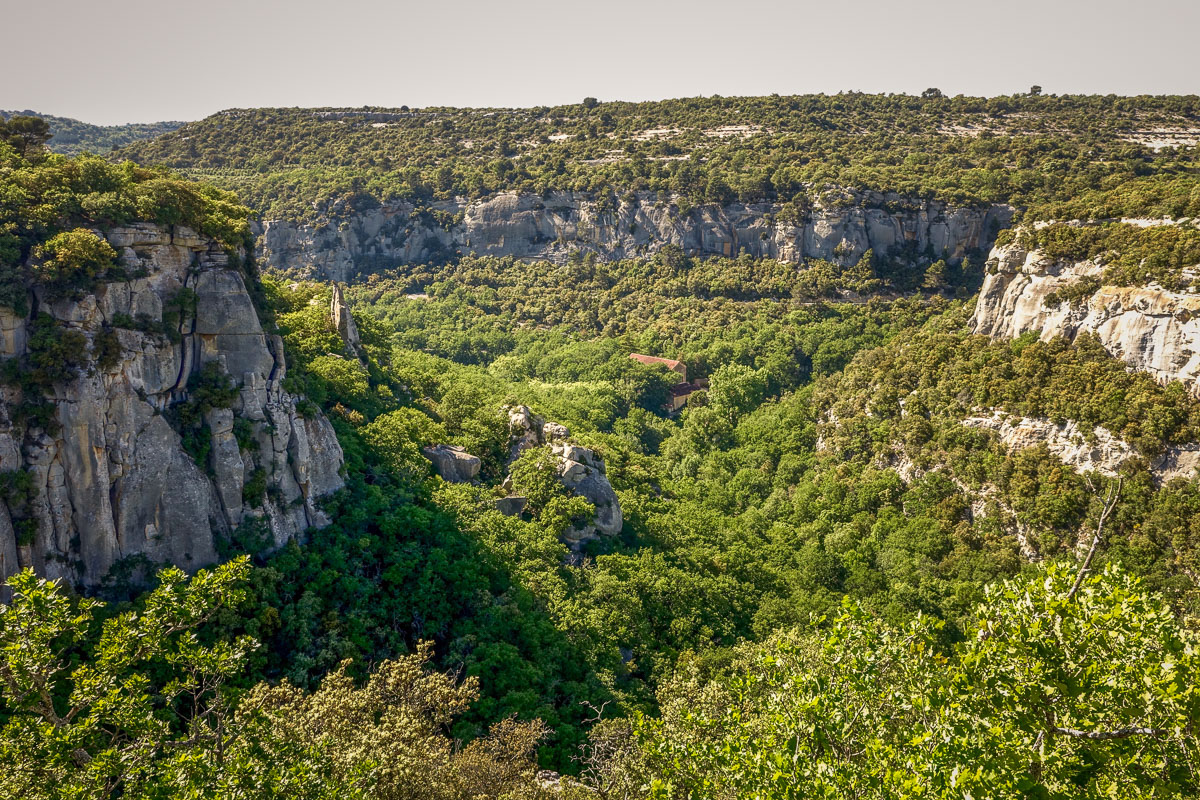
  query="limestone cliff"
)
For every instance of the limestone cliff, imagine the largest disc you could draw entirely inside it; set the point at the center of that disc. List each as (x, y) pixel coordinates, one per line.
(550, 227)
(111, 480)
(1150, 328)
(1098, 451)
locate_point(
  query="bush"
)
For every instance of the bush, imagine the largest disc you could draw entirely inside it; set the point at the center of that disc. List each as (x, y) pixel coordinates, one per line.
(70, 263)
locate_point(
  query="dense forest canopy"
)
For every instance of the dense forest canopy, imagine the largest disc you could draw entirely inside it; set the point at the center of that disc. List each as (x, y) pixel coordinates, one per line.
(825, 584)
(1022, 149)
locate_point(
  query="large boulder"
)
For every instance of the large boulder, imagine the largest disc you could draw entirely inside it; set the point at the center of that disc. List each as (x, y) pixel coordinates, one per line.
(453, 463)
(582, 472)
(512, 506)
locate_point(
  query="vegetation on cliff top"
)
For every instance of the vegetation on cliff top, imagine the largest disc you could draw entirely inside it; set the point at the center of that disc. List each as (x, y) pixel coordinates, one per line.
(48, 203)
(305, 163)
(823, 585)
(72, 137)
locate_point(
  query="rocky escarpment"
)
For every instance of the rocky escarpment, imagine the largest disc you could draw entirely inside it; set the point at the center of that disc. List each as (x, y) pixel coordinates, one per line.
(1098, 451)
(110, 480)
(1151, 328)
(550, 227)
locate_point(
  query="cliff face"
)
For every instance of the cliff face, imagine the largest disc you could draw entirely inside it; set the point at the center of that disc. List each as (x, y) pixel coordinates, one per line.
(1150, 328)
(531, 226)
(111, 478)
(1100, 451)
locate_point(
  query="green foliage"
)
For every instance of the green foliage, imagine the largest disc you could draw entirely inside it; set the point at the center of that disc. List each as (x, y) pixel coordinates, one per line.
(1132, 255)
(254, 490)
(398, 436)
(17, 492)
(55, 354)
(1054, 694)
(305, 163)
(208, 389)
(50, 204)
(736, 389)
(69, 263)
(535, 477)
(149, 701)
(70, 136)
(150, 711)
(106, 349)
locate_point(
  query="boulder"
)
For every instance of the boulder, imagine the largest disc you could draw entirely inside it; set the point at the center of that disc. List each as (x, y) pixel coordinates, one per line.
(452, 462)
(524, 430)
(512, 506)
(582, 472)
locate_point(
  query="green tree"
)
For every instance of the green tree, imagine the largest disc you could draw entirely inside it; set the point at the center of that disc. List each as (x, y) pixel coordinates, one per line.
(27, 135)
(130, 720)
(70, 262)
(736, 389)
(1062, 690)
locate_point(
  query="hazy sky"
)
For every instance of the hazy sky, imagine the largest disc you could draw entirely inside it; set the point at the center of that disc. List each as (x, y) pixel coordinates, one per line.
(110, 61)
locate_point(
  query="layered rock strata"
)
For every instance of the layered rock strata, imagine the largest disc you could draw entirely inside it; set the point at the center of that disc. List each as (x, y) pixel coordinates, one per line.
(1150, 328)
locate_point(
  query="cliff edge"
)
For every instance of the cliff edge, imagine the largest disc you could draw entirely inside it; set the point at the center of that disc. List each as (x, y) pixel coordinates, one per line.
(167, 426)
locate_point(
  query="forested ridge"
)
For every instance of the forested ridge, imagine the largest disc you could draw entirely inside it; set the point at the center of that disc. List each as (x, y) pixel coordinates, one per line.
(1022, 149)
(71, 136)
(825, 583)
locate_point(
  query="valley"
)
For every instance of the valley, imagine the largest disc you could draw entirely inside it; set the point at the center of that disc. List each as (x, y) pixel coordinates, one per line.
(897, 496)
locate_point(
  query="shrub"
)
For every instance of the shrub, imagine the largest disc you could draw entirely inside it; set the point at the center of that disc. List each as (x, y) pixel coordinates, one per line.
(69, 263)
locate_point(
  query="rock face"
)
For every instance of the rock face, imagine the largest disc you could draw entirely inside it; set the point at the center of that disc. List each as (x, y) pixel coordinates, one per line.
(580, 470)
(343, 320)
(550, 227)
(111, 480)
(1102, 452)
(1150, 328)
(453, 463)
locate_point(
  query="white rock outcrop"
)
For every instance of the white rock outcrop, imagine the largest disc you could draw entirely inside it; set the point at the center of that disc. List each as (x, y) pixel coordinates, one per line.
(1101, 452)
(111, 479)
(452, 463)
(580, 470)
(1150, 328)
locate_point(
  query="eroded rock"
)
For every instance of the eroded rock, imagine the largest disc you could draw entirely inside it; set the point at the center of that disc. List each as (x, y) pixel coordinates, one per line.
(113, 481)
(551, 227)
(581, 471)
(1150, 328)
(452, 462)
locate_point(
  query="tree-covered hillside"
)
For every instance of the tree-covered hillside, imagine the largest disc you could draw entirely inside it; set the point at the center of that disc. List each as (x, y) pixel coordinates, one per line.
(302, 163)
(828, 578)
(70, 136)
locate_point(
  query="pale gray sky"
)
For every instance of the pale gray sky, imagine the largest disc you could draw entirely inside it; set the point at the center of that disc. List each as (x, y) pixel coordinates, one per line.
(110, 61)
